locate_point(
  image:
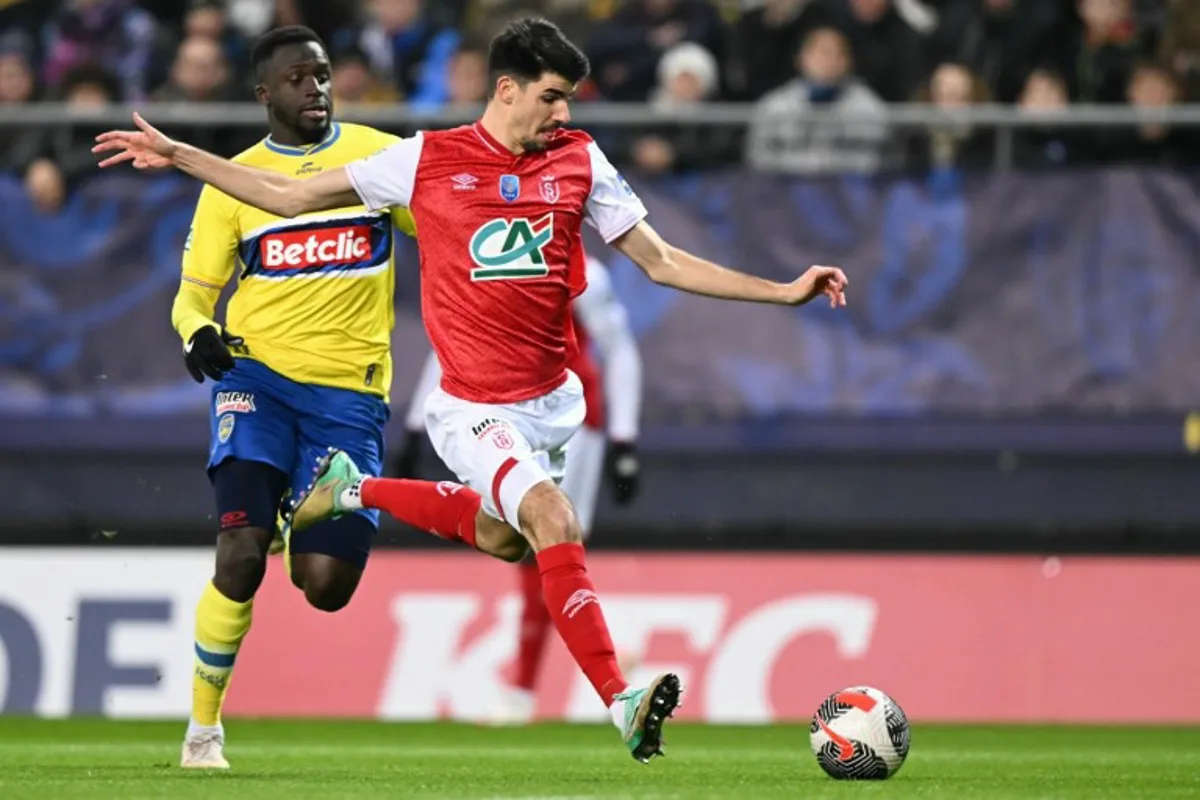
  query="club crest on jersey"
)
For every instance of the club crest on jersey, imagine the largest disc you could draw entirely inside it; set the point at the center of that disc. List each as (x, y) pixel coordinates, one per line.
(511, 249)
(548, 186)
(510, 187)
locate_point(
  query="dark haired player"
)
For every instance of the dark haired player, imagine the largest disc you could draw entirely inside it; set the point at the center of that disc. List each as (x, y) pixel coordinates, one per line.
(310, 324)
(498, 207)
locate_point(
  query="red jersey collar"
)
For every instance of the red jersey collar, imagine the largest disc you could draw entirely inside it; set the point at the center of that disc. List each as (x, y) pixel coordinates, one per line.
(491, 142)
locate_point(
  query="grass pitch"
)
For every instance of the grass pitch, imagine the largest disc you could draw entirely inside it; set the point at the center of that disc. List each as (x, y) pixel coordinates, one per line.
(48, 760)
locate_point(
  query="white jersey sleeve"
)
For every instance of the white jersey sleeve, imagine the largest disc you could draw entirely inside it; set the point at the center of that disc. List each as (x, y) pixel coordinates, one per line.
(431, 376)
(612, 207)
(386, 179)
(607, 323)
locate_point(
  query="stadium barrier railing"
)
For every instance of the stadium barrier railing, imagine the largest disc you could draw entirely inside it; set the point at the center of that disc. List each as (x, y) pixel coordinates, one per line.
(1005, 120)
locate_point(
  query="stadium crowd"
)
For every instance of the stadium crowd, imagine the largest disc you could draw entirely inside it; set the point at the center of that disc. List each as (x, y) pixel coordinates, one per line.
(784, 56)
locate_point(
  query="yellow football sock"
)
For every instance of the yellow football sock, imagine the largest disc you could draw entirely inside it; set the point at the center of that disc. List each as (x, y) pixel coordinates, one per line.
(221, 624)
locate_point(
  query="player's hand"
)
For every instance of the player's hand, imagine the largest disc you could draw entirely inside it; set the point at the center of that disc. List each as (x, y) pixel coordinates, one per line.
(829, 281)
(208, 353)
(624, 470)
(146, 147)
(408, 460)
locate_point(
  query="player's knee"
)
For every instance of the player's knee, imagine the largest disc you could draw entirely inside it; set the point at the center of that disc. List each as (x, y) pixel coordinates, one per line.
(241, 562)
(328, 597)
(512, 550)
(328, 583)
(499, 539)
(547, 517)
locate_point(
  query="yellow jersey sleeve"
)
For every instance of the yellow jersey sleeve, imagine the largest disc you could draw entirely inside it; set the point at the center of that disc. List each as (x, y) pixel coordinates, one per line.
(209, 260)
(402, 218)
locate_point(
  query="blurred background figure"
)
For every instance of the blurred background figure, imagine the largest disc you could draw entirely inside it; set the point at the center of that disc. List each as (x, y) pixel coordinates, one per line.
(54, 161)
(1000, 40)
(1154, 87)
(781, 140)
(1100, 52)
(888, 42)
(1045, 147)
(765, 41)
(952, 86)
(1180, 48)
(626, 49)
(412, 50)
(688, 77)
(354, 83)
(115, 35)
(199, 74)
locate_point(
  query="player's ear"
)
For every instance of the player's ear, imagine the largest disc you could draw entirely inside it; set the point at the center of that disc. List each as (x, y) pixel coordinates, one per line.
(262, 94)
(506, 89)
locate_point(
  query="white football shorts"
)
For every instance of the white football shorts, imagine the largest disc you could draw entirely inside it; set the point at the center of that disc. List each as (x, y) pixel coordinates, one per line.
(504, 450)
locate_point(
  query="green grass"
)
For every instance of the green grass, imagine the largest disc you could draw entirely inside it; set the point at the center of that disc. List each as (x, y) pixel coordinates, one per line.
(48, 760)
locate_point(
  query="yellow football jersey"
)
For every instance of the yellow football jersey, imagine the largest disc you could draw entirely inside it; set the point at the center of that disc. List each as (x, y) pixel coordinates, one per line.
(314, 295)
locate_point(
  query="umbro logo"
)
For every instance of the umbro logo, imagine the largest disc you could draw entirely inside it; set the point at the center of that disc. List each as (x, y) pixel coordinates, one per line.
(464, 181)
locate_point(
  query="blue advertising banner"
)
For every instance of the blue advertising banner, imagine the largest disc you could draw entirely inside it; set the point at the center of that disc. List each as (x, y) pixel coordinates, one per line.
(1008, 300)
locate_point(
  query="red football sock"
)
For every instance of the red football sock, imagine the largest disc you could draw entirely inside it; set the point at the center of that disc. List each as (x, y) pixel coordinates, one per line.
(571, 600)
(445, 509)
(535, 626)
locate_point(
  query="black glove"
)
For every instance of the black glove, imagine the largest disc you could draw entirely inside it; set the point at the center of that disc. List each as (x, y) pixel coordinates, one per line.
(409, 458)
(624, 470)
(208, 353)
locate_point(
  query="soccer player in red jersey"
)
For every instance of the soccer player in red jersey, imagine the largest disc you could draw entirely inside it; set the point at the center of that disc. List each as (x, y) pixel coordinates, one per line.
(498, 206)
(613, 396)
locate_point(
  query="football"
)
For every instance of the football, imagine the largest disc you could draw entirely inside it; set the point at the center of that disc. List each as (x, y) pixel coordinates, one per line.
(859, 733)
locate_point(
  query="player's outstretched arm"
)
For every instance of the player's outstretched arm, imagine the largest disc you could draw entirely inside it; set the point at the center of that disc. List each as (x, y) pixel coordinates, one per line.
(669, 266)
(284, 196)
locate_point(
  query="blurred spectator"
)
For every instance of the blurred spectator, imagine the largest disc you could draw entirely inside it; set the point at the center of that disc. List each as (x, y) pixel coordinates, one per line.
(22, 23)
(626, 49)
(1045, 147)
(200, 74)
(17, 81)
(326, 17)
(355, 84)
(688, 76)
(54, 159)
(467, 83)
(113, 34)
(1181, 46)
(400, 43)
(209, 19)
(485, 18)
(887, 38)
(780, 139)
(1001, 40)
(1098, 56)
(764, 42)
(1152, 86)
(17, 85)
(952, 144)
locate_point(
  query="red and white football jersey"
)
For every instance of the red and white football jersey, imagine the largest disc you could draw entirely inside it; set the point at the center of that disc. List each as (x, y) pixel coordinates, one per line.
(501, 255)
(612, 390)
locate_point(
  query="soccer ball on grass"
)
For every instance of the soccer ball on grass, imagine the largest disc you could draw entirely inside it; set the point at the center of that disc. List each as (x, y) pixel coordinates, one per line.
(859, 733)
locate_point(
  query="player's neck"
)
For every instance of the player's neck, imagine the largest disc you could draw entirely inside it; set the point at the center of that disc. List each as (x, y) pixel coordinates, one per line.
(291, 138)
(491, 123)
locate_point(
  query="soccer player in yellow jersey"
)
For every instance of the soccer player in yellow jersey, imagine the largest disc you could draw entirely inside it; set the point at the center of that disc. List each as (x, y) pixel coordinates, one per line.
(302, 364)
